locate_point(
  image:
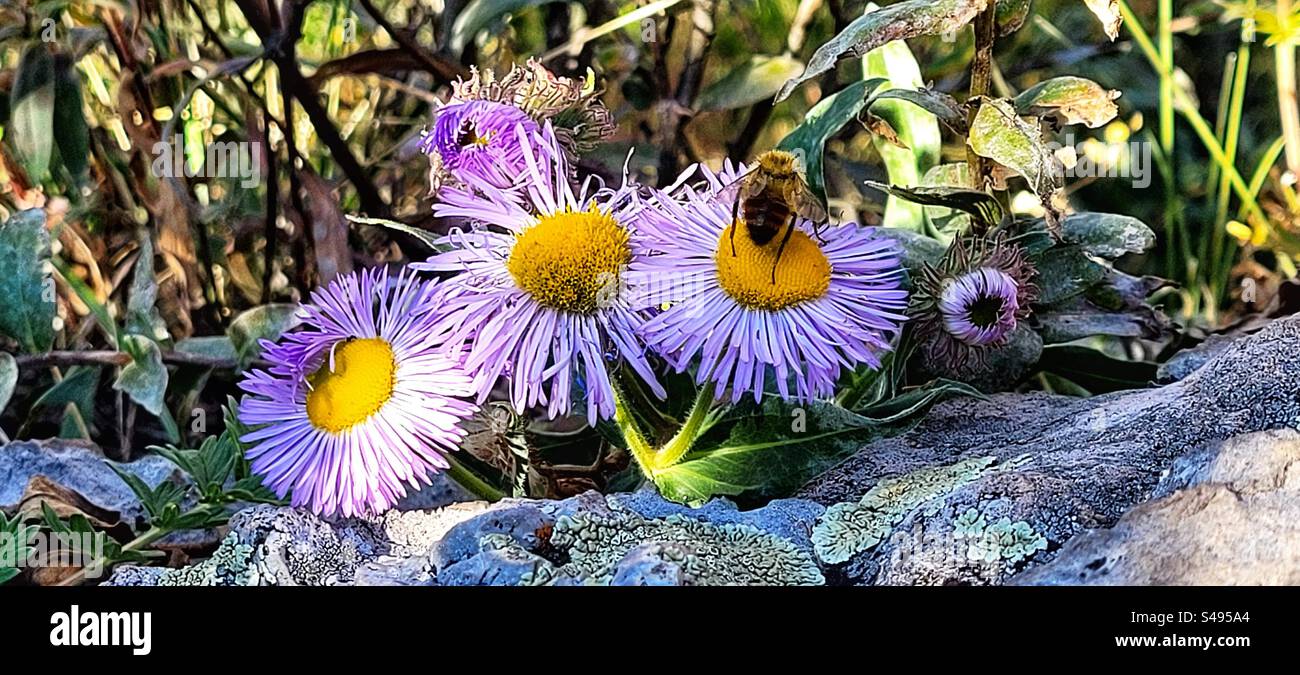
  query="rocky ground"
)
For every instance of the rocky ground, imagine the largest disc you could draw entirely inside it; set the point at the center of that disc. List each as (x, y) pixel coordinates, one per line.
(1193, 482)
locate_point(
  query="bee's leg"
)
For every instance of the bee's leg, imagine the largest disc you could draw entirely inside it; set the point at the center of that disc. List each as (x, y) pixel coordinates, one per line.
(789, 231)
(735, 221)
(817, 232)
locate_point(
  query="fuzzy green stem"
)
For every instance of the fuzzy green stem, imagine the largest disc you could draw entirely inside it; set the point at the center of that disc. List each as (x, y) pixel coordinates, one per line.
(472, 483)
(681, 442)
(636, 443)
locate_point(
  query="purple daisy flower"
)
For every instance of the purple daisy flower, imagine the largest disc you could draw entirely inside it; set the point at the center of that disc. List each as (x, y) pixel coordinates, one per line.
(359, 404)
(833, 305)
(972, 301)
(541, 295)
(476, 139)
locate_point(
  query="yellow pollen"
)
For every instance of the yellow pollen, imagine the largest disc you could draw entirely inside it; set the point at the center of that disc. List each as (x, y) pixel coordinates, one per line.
(571, 260)
(803, 273)
(360, 384)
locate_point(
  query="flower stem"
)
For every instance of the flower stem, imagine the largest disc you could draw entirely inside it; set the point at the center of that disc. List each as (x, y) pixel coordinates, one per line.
(636, 443)
(472, 483)
(652, 460)
(681, 442)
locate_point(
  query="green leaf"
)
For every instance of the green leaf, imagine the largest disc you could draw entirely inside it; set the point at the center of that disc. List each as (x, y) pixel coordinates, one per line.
(980, 205)
(479, 14)
(145, 378)
(917, 400)
(32, 103)
(1107, 235)
(141, 315)
(899, 21)
(211, 346)
(267, 322)
(917, 129)
(940, 105)
(1075, 100)
(8, 378)
(1011, 15)
(26, 289)
(999, 134)
(752, 81)
(70, 131)
(1065, 272)
(770, 451)
(1095, 371)
(808, 140)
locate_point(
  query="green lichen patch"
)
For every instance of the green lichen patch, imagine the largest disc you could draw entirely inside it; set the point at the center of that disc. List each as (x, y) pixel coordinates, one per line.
(709, 554)
(1003, 541)
(230, 565)
(849, 528)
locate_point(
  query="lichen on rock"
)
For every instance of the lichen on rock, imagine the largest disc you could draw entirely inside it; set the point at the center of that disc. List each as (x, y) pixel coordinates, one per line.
(849, 528)
(708, 554)
(1002, 542)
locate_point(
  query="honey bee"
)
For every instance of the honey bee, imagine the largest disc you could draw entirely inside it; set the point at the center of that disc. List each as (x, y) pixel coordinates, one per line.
(769, 196)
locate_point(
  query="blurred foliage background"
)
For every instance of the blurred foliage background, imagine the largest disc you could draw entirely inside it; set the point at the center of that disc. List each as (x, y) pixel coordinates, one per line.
(324, 102)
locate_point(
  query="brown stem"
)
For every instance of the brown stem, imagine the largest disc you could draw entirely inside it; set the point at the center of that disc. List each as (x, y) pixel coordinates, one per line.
(447, 69)
(981, 80)
(117, 359)
(688, 85)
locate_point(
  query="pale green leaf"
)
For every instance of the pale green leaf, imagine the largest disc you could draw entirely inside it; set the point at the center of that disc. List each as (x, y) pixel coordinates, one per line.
(145, 378)
(32, 104)
(26, 289)
(267, 322)
(909, 19)
(1076, 100)
(8, 378)
(752, 81)
(918, 141)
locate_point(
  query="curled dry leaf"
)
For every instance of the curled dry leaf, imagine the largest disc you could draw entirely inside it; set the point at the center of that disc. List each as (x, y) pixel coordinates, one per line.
(900, 21)
(1076, 100)
(1107, 12)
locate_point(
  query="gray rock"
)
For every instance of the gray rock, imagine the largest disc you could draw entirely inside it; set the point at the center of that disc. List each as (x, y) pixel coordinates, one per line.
(1051, 467)
(1231, 516)
(270, 545)
(636, 538)
(1186, 362)
(80, 467)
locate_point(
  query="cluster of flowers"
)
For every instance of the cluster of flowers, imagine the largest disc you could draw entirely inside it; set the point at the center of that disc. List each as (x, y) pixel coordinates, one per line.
(552, 283)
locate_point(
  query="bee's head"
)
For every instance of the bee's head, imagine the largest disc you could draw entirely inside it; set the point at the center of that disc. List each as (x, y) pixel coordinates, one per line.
(778, 162)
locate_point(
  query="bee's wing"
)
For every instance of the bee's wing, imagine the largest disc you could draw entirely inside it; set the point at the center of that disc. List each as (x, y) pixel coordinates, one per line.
(808, 205)
(744, 186)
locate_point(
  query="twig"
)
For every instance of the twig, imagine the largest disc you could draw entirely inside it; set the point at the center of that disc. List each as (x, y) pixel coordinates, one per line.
(981, 78)
(119, 359)
(445, 68)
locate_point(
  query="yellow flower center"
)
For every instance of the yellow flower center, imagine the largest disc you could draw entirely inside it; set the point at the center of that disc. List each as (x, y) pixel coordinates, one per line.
(571, 261)
(803, 273)
(360, 384)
